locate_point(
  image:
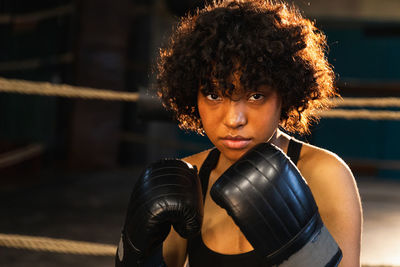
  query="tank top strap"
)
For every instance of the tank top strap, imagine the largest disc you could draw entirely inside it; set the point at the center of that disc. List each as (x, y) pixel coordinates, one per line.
(205, 170)
(294, 150)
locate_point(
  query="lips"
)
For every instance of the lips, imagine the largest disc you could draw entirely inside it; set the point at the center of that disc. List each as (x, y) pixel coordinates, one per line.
(235, 142)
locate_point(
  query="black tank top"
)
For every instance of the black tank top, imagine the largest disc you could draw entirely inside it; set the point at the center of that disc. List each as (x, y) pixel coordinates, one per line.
(199, 254)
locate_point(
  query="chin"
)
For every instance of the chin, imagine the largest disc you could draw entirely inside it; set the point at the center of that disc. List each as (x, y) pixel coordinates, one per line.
(234, 155)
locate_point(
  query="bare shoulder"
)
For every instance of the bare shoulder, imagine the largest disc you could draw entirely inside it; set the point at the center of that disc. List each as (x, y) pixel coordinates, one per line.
(335, 192)
(318, 163)
(197, 159)
(329, 177)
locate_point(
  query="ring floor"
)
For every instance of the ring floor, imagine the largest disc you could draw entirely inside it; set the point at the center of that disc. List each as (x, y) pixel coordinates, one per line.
(91, 207)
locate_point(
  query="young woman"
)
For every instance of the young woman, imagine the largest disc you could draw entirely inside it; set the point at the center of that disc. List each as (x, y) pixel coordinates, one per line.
(237, 71)
(245, 72)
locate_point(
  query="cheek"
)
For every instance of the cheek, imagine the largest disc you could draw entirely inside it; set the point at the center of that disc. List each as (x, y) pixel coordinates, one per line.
(270, 118)
(210, 120)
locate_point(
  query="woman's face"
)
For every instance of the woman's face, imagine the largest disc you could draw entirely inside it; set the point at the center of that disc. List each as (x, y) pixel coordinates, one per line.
(237, 123)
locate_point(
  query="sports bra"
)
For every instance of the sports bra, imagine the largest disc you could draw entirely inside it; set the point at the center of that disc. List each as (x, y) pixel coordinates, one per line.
(199, 254)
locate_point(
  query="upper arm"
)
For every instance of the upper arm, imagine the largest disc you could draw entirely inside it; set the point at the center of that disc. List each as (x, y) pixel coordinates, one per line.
(335, 191)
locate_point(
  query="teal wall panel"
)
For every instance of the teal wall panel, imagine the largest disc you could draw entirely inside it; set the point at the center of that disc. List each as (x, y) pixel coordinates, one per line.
(360, 55)
(356, 55)
(361, 139)
(27, 118)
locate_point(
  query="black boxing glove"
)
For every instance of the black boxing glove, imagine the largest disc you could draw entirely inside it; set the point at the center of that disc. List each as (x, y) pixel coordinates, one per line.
(167, 193)
(273, 206)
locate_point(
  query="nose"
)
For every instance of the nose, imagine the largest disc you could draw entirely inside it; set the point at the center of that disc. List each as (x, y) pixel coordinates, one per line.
(235, 114)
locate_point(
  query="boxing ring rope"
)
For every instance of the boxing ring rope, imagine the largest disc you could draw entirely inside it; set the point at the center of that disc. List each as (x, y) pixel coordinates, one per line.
(19, 155)
(37, 16)
(63, 90)
(367, 102)
(69, 247)
(69, 91)
(361, 114)
(56, 245)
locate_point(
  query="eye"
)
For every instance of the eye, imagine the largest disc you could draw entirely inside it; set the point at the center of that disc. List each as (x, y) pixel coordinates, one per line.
(256, 97)
(213, 97)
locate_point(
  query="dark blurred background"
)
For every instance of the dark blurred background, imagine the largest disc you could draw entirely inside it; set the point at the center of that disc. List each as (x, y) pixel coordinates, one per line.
(67, 165)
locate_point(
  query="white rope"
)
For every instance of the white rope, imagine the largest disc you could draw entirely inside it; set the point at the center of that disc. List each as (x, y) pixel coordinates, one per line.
(70, 247)
(360, 114)
(63, 90)
(37, 16)
(366, 102)
(56, 245)
(20, 155)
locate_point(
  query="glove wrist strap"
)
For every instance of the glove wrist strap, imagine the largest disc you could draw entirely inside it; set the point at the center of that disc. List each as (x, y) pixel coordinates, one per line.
(313, 226)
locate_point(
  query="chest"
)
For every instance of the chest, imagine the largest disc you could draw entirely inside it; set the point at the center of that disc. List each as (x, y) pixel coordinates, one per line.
(219, 231)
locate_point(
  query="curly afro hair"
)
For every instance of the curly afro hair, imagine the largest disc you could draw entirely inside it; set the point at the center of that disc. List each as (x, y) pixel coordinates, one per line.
(270, 42)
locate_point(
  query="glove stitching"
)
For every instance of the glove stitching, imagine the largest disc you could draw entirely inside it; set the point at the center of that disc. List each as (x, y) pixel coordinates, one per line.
(290, 188)
(261, 195)
(273, 185)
